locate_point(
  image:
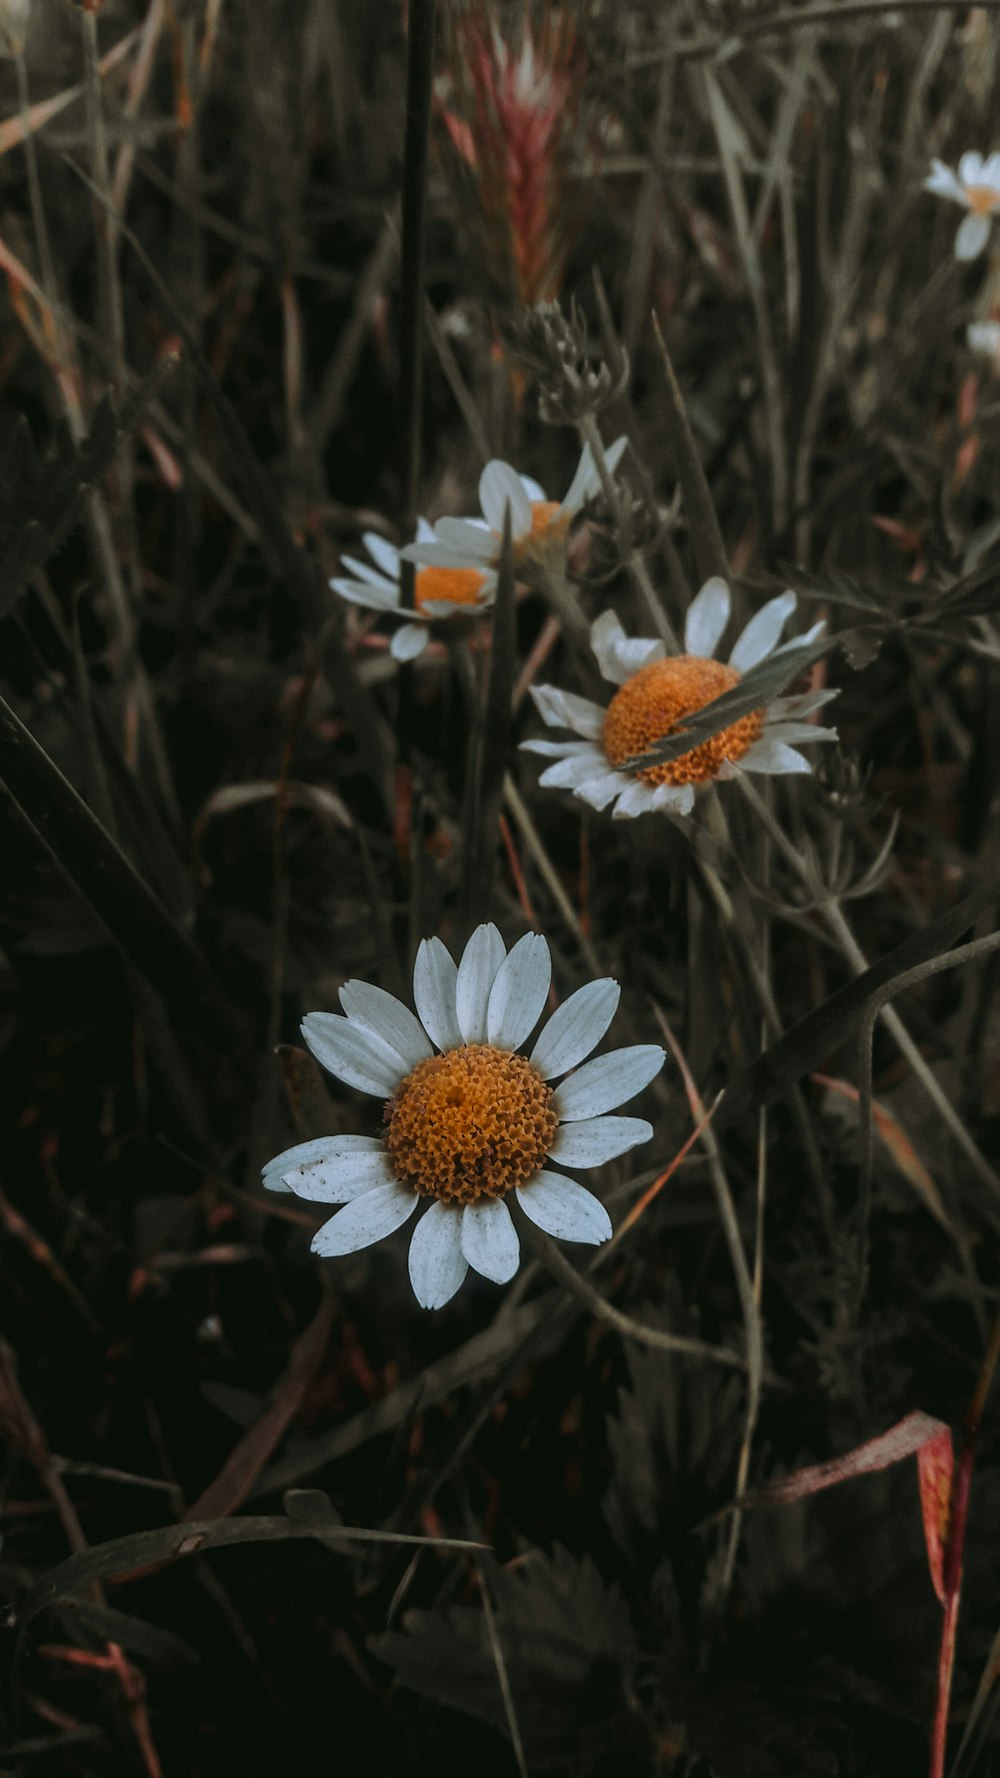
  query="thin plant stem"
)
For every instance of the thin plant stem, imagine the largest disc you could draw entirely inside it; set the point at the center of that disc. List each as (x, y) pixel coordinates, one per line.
(655, 1338)
(836, 920)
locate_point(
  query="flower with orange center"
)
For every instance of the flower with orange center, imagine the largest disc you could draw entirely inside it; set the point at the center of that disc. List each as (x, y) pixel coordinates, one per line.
(447, 586)
(539, 527)
(653, 703)
(447, 591)
(470, 1123)
(657, 693)
(976, 186)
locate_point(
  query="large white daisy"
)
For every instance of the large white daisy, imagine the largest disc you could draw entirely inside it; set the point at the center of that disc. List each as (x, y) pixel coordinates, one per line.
(470, 1121)
(536, 522)
(976, 186)
(657, 691)
(440, 592)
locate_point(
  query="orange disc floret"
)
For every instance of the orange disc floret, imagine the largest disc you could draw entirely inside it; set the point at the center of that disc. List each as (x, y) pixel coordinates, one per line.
(470, 1124)
(983, 199)
(456, 586)
(653, 704)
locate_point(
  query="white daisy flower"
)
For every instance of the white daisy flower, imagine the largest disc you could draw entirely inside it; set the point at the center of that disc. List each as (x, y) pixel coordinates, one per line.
(536, 522)
(656, 692)
(439, 592)
(470, 1121)
(984, 336)
(976, 186)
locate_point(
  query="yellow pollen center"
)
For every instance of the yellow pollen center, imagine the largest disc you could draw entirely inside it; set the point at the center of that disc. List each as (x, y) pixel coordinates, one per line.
(470, 1124)
(458, 586)
(983, 200)
(654, 702)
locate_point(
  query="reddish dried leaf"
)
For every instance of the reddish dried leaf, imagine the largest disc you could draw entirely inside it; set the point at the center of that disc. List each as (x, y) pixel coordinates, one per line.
(904, 1439)
(899, 1146)
(935, 1466)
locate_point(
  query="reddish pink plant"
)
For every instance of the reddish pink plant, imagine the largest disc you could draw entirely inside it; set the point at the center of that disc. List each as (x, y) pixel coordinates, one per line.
(511, 111)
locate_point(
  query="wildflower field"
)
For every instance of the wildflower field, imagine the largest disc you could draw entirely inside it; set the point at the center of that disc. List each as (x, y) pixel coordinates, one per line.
(500, 862)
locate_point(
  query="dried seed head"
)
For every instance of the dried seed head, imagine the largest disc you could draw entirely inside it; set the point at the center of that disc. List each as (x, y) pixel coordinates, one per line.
(572, 380)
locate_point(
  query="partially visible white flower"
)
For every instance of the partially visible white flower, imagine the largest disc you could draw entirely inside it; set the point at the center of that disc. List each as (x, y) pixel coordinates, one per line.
(440, 592)
(14, 16)
(470, 1122)
(657, 691)
(976, 186)
(984, 336)
(536, 522)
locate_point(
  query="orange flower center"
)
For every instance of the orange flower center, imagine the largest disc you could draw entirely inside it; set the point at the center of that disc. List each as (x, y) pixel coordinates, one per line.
(470, 1124)
(458, 586)
(982, 199)
(654, 702)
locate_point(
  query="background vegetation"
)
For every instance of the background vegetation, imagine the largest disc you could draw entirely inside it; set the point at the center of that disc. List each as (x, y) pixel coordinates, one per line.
(220, 799)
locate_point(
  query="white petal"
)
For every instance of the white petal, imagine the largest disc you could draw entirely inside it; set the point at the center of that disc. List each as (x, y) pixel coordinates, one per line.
(384, 1016)
(800, 704)
(489, 1240)
(425, 531)
(942, 181)
(618, 656)
(364, 571)
(343, 1176)
(437, 555)
(354, 1056)
(408, 642)
(990, 174)
(364, 1220)
(679, 798)
(384, 554)
(481, 959)
(519, 992)
(983, 336)
(376, 596)
(595, 1140)
(635, 799)
(447, 608)
(321, 1148)
(797, 731)
(559, 749)
(973, 234)
(607, 1081)
(565, 1209)
(803, 640)
(773, 757)
(599, 792)
(585, 483)
(566, 774)
(533, 489)
(575, 1028)
(435, 975)
(499, 487)
(563, 709)
(760, 637)
(708, 615)
(474, 541)
(970, 168)
(437, 1264)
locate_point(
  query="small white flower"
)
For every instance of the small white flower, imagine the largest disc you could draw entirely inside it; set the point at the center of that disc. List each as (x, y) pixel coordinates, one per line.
(656, 692)
(984, 336)
(440, 592)
(536, 522)
(469, 1120)
(976, 186)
